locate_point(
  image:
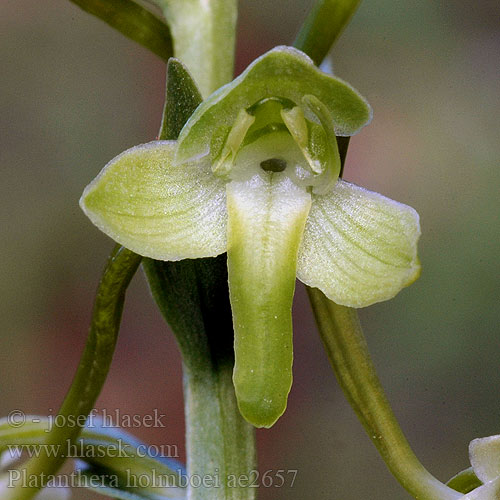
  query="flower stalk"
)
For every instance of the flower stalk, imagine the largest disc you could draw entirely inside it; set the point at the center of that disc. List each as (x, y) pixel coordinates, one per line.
(347, 351)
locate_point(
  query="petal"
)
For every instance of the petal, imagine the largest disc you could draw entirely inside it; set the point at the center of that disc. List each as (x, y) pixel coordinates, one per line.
(317, 143)
(157, 209)
(331, 155)
(359, 247)
(266, 218)
(283, 72)
(485, 457)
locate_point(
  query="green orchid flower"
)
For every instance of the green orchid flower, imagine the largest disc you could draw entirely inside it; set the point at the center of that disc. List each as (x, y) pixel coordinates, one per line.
(255, 172)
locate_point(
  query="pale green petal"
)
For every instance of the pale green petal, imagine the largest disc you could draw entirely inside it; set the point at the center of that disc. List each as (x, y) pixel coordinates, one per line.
(266, 218)
(317, 143)
(331, 161)
(298, 127)
(484, 456)
(224, 163)
(158, 209)
(283, 72)
(359, 247)
(489, 491)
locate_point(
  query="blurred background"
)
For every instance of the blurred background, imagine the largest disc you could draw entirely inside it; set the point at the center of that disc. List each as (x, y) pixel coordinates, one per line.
(74, 94)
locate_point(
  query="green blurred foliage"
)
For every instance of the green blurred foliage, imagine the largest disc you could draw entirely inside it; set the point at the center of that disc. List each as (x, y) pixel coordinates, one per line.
(74, 94)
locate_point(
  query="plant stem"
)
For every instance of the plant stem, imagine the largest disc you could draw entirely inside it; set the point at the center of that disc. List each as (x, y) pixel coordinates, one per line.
(219, 443)
(192, 295)
(90, 376)
(348, 353)
(204, 39)
(323, 26)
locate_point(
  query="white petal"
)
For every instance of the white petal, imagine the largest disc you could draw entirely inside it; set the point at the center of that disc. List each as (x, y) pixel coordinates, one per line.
(485, 457)
(359, 247)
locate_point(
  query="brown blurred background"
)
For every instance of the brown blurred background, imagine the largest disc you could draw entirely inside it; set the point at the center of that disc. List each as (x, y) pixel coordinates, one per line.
(74, 93)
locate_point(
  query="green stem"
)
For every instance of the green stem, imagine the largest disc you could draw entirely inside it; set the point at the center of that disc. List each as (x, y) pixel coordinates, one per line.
(348, 353)
(192, 295)
(219, 443)
(133, 21)
(91, 374)
(204, 39)
(323, 26)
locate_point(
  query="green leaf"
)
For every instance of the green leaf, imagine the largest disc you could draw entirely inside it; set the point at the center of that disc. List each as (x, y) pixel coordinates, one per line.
(96, 480)
(484, 456)
(323, 26)
(29, 432)
(283, 72)
(266, 217)
(158, 209)
(204, 38)
(359, 247)
(181, 99)
(192, 296)
(465, 481)
(134, 21)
